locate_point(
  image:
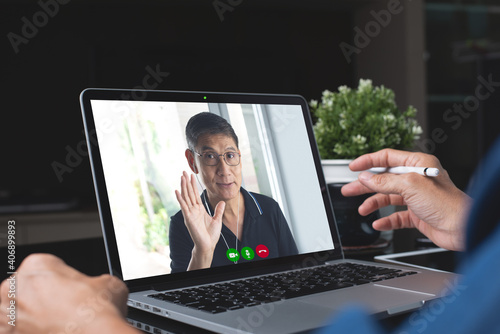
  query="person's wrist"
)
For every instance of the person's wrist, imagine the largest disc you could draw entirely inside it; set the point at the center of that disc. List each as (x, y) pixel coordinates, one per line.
(461, 214)
(200, 258)
(203, 254)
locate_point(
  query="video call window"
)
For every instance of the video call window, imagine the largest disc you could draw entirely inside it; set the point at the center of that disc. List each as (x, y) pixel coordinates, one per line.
(142, 146)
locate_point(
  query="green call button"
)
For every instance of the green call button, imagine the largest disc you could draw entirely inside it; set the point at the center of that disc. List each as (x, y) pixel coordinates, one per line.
(247, 253)
(232, 255)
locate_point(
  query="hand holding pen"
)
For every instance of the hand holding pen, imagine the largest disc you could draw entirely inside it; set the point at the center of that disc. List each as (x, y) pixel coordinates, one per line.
(434, 205)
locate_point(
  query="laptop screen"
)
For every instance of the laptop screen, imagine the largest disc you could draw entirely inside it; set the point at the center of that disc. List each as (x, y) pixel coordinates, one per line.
(255, 157)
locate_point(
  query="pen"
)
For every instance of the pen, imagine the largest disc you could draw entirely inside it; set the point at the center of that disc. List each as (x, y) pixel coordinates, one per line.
(425, 171)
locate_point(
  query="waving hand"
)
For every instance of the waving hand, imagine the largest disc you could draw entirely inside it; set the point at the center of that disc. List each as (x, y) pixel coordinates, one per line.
(203, 229)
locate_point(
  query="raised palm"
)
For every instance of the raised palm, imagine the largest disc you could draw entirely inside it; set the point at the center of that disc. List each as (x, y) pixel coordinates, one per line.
(204, 229)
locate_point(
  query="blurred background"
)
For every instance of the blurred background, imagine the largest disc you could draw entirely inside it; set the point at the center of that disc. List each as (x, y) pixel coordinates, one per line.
(440, 56)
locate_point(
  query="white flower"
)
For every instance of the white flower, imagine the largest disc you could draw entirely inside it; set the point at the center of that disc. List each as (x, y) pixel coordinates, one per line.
(397, 138)
(343, 123)
(417, 130)
(344, 89)
(389, 121)
(339, 149)
(364, 85)
(359, 139)
(327, 94)
(389, 118)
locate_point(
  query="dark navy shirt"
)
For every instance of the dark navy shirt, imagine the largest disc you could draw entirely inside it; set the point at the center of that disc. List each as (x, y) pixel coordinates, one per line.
(264, 224)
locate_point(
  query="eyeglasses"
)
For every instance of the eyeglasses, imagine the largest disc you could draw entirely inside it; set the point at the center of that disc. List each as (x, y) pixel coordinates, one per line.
(212, 158)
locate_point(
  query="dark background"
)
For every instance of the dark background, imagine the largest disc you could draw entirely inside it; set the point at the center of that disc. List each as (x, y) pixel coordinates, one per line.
(462, 43)
(288, 47)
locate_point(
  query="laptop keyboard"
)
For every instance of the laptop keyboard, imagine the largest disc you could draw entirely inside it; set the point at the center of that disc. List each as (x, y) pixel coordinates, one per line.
(223, 297)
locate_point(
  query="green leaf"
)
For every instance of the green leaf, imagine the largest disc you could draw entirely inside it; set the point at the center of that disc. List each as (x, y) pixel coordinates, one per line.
(348, 115)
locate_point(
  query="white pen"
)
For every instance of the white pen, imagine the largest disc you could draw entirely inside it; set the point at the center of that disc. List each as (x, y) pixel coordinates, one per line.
(425, 171)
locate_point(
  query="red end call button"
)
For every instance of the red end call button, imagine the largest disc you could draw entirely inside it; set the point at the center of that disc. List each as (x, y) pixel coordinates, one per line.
(262, 251)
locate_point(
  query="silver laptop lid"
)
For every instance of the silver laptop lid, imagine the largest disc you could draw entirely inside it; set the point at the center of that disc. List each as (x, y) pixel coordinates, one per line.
(137, 147)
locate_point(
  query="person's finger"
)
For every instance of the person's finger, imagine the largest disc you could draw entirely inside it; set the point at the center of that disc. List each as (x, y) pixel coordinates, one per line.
(395, 221)
(191, 189)
(387, 183)
(355, 188)
(194, 187)
(379, 201)
(181, 201)
(392, 158)
(184, 205)
(215, 224)
(184, 190)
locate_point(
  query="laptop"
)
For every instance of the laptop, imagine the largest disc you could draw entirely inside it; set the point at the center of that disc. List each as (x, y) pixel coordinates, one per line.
(137, 147)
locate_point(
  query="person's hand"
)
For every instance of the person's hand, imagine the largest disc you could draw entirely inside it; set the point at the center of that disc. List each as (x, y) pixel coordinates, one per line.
(204, 229)
(51, 297)
(436, 207)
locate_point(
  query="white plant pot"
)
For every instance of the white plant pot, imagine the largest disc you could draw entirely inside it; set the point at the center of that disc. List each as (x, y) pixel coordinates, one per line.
(337, 171)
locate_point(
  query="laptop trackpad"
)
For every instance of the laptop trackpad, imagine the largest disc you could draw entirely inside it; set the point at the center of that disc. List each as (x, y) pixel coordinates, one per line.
(373, 297)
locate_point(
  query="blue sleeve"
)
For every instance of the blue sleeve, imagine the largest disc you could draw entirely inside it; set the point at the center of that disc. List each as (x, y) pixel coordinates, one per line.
(472, 302)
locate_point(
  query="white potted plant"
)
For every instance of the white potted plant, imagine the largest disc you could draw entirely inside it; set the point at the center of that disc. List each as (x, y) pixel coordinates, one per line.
(352, 122)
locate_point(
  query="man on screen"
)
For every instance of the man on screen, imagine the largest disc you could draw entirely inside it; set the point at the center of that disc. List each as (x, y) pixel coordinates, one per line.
(226, 224)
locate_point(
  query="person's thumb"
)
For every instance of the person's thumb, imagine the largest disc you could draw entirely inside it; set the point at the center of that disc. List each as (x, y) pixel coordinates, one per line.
(219, 210)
